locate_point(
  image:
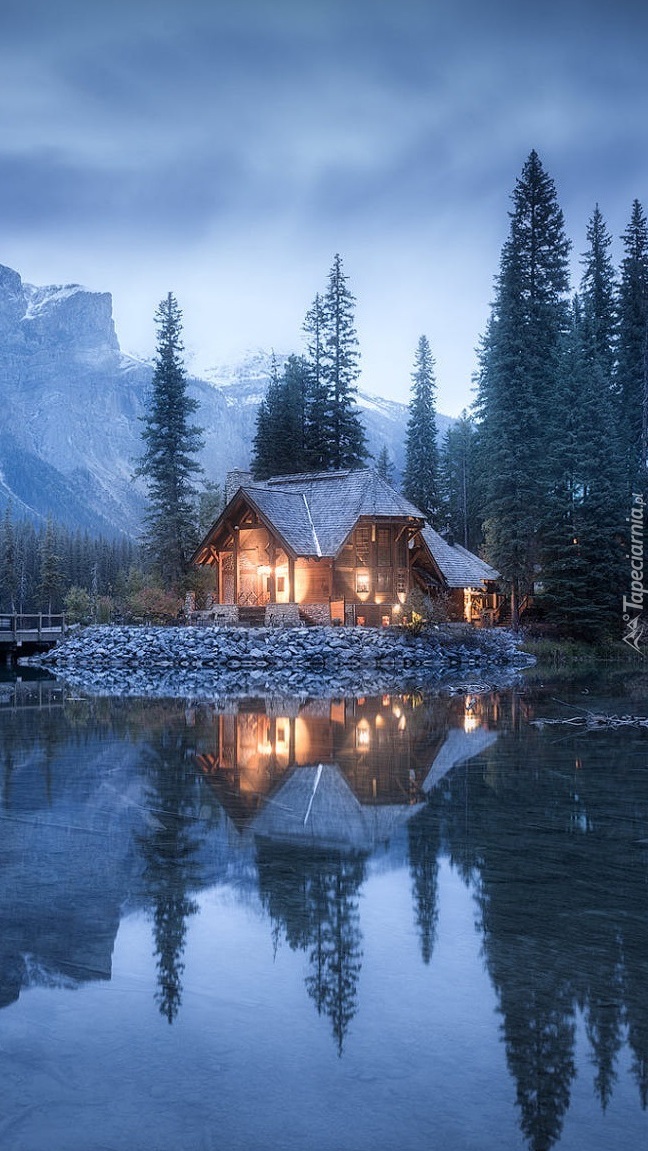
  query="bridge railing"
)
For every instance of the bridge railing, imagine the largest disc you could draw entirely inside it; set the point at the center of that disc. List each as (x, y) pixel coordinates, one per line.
(40, 624)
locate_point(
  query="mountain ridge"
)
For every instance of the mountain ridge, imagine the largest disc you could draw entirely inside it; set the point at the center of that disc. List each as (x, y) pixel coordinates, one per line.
(73, 402)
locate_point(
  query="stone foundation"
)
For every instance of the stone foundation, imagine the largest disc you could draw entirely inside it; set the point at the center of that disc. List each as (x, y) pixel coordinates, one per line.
(282, 615)
(316, 613)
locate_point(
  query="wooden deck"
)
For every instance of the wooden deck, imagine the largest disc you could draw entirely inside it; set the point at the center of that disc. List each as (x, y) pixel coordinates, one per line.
(28, 634)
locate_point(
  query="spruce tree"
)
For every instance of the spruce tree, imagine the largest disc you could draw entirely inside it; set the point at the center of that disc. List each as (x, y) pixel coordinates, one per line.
(279, 446)
(584, 517)
(632, 366)
(519, 380)
(51, 580)
(8, 563)
(317, 440)
(339, 371)
(268, 427)
(384, 466)
(458, 479)
(421, 479)
(169, 463)
(582, 554)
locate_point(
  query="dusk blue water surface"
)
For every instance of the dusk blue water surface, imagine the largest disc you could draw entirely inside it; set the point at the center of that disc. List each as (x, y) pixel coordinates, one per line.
(394, 924)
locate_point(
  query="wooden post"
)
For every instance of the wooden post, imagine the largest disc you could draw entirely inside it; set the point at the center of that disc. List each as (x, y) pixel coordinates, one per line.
(291, 579)
(272, 582)
(236, 558)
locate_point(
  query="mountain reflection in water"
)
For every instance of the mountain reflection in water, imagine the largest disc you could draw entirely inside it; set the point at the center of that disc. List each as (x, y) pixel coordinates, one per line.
(111, 807)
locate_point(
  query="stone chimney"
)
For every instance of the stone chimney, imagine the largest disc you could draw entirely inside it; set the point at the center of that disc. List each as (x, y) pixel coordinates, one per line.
(235, 480)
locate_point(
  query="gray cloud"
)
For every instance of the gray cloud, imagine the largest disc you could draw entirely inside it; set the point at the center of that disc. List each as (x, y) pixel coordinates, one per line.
(287, 130)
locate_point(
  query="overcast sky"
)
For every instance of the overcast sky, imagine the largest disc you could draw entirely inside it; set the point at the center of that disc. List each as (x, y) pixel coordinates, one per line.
(226, 151)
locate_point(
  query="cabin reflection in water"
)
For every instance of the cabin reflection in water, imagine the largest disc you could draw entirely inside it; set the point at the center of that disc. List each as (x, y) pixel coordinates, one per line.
(390, 749)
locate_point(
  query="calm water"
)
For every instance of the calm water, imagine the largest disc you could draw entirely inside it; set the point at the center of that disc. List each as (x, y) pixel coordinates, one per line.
(437, 939)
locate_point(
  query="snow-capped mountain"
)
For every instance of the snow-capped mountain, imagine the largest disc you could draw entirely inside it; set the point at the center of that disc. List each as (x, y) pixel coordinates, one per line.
(70, 434)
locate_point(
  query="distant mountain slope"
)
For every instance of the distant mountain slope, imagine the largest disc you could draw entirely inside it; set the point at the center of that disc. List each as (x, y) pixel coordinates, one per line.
(70, 434)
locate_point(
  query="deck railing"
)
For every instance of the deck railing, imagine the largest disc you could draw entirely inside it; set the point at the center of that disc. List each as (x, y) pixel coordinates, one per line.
(37, 625)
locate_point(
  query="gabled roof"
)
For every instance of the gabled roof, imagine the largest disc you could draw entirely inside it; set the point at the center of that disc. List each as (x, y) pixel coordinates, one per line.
(315, 806)
(337, 500)
(314, 513)
(459, 567)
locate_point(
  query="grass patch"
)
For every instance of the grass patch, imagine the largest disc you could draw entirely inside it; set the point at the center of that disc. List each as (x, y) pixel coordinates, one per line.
(570, 653)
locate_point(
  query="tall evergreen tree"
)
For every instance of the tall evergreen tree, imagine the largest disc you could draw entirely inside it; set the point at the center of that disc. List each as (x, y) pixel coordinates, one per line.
(51, 578)
(458, 482)
(268, 427)
(519, 379)
(384, 466)
(169, 463)
(421, 479)
(340, 370)
(280, 446)
(582, 548)
(318, 448)
(632, 366)
(598, 293)
(8, 564)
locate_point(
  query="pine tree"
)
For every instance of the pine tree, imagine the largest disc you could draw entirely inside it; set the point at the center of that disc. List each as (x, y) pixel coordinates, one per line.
(268, 427)
(519, 379)
(8, 564)
(458, 481)
(582, 548)
(51, 581)
(339, 371)
(632, 367)
(169, 462)
(384, 466)
(279, 446)
(598, 293)
(318, 447)
(421, 479)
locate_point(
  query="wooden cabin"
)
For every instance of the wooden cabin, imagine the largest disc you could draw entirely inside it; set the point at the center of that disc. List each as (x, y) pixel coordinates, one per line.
(332, 547)
(468, 583)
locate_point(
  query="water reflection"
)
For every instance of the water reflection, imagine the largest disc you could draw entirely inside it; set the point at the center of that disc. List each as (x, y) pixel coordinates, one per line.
(312, 901)
(110, 805)
(169, 849)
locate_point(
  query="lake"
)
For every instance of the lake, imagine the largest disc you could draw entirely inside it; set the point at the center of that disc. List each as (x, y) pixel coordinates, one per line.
(400, 922)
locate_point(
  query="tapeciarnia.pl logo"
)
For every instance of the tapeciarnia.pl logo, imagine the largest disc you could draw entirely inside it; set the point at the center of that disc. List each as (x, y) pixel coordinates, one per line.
(634, 603)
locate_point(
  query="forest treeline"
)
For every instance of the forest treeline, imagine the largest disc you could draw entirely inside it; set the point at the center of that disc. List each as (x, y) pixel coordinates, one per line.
(541, 476)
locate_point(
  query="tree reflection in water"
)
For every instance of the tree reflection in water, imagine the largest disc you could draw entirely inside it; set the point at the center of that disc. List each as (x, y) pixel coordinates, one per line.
(554, 843)
(312, 896)
(170, 851)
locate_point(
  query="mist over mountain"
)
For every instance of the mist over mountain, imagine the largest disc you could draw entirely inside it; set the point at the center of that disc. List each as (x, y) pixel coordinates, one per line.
(70, 434)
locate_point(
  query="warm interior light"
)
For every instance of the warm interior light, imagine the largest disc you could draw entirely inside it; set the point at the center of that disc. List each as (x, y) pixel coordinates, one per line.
(471, 719)
(362, 735)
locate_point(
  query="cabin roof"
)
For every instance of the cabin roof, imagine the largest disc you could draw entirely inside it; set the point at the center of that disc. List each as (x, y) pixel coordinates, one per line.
(288, 513)
(459, 567)
(314, 512)
(337, 500)
(315, 805)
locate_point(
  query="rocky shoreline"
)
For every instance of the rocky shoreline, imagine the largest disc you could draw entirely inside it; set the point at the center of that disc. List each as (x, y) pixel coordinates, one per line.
(197, 662)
